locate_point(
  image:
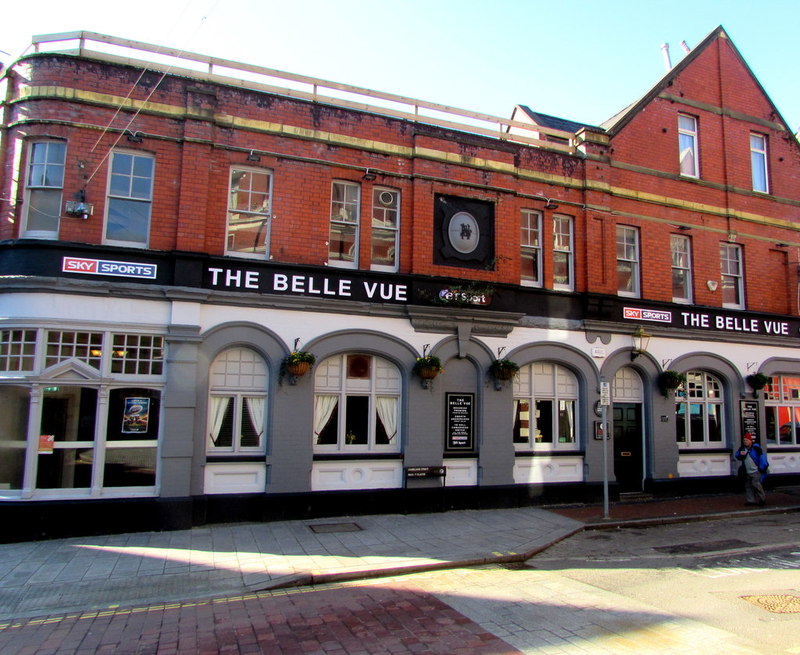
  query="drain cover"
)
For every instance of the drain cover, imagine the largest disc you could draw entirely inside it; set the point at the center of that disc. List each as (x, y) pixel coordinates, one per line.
(328, 528)
(702, 547)
(776, 603)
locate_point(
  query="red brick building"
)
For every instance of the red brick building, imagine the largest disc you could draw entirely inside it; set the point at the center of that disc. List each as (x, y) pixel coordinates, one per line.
(172, 232)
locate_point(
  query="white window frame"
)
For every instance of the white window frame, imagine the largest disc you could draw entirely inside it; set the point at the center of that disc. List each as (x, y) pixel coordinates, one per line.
(628, 261)
(51, 365)
(688, 151)
(681, 266)
(758, 162)
(345, 213)
(531, 245)
(51, 186)
(563, 247)
(703, 391)
(260, 216)
(782, 409)
(382, 223)
(240, 375)
(732, 272)
(545, 382)
(333, 385)
(145, 201)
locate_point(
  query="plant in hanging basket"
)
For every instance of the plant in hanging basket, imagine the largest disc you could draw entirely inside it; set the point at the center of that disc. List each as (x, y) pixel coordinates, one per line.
(428, 367)
(298, 363)
(758, 381)
(670, 380)
(504, 369)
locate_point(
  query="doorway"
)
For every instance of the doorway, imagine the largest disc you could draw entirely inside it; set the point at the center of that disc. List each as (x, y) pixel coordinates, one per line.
(628, 446)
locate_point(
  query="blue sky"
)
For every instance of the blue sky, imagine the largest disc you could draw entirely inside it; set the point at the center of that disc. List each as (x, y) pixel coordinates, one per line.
(578, 59)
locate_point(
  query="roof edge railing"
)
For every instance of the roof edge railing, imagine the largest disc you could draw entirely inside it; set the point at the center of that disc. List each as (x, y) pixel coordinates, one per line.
(215, 67)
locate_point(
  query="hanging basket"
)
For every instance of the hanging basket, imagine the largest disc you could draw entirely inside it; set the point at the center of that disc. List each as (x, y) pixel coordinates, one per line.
(298, 369)
(427, 372)
(504, 369)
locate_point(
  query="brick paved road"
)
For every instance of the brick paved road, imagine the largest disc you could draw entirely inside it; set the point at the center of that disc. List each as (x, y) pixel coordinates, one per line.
(489, 610)
(338, 620)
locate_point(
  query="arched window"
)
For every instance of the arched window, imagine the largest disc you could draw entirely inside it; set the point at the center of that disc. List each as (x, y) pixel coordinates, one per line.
(356, 405)
(545, 407)
(237, 403)
(627, 386)
(782, 400)
(698, 411)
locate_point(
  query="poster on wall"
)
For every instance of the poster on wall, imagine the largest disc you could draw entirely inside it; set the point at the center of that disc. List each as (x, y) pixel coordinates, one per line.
(460, 432)
(135, 416)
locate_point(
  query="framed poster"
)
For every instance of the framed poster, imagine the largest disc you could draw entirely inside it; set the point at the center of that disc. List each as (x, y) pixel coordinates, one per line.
(749, 415)
(460, 412)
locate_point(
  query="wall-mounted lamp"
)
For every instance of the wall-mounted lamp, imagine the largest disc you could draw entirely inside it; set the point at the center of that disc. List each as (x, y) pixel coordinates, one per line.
(548, 202)
(253, 156)
(641, 340)
(684, 228)
(133, 137)
(369, 176)
(781, 245)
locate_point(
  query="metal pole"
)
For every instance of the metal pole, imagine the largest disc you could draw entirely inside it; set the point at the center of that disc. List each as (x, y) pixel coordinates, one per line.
(605, 464)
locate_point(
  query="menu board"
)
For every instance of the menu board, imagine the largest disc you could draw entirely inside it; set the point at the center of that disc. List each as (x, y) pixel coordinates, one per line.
(749, 412)
(460, 410)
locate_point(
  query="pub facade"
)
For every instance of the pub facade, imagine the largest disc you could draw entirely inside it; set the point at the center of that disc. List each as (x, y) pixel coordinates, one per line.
(173, 239)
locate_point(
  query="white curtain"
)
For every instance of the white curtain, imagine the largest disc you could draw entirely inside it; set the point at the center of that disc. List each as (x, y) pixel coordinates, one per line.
(219, 405)
(323, 408)
(387, 413)
(256, 408)
(567, 420)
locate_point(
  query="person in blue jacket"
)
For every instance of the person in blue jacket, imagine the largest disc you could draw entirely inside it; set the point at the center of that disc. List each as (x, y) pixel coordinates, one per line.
(755, 466)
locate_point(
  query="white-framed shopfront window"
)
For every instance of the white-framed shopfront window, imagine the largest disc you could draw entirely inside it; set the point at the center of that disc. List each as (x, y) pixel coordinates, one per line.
(699, 412)
(75, 425)
(545, 408)
(782, 410)
(237, 403)
(357, 405)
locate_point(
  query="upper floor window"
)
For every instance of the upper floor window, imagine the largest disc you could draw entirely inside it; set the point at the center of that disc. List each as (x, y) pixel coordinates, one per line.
(545, 405)
(627, 261)
(730, 255)
(238, 386)
(385, 228)
(343, 241)
(687, 145)
(531, 248)
(130, 196)
(357, 405)
(249, 213)
(698, 411)
(44, 186)
(563, 264)
(680, 249)
(758, 162)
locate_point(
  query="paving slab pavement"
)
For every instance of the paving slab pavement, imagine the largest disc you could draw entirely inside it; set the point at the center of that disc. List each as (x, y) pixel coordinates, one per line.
(88, 573)
(106, 572)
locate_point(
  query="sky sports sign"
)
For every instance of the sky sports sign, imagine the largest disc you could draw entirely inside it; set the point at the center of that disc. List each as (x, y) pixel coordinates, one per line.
(108, 267)
(636, 314)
